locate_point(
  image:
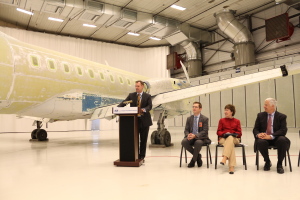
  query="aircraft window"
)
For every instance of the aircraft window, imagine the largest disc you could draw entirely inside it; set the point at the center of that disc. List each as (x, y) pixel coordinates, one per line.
(91, 73)
(79, 71)
(51, 65)
(112, 78)
(121, 80)
(129, 82)
(66, 68)
(101, 76)
(34, 61)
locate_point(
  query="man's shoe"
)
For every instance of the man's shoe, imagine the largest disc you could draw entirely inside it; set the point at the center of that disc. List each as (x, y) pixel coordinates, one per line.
(191, 164)
(280, 170)
(199, 161)
(267, 166)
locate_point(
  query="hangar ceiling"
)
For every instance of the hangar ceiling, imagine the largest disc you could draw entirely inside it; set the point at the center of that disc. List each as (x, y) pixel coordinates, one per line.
(114, 19)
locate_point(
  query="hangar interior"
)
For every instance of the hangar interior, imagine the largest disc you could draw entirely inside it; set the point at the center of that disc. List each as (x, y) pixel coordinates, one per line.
(77, 161)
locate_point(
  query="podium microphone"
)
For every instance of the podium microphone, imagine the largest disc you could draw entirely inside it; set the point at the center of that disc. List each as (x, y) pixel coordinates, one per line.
(127, 102)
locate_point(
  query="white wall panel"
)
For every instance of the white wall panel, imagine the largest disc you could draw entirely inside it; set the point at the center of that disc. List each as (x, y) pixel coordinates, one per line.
(215, 108)
(285, 98)
(150, 62)
(297, 98)
(239, 102)
(267, 90)
(252, 103)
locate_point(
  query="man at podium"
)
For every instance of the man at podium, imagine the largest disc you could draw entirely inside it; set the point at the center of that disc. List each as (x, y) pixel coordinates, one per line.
(143, 101)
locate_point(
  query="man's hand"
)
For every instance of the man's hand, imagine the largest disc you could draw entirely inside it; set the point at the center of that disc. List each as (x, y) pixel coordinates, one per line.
(264, 136)
(261, 135)
(191, 136)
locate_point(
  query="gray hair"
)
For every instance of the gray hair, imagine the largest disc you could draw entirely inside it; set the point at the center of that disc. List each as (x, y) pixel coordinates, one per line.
(272, 101)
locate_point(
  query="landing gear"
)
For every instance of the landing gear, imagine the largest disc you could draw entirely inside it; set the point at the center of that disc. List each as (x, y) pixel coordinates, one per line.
(161, 137)
(38, 133)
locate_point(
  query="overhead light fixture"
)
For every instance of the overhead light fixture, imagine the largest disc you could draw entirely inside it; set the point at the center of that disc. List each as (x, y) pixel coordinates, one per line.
(177, 7)
(25, 11)
(55, 19)
(90, 25)
(135, 34)
(154, 38)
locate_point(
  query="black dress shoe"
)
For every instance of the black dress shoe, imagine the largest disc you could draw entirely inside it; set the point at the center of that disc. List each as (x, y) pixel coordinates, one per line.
(280, 170)
(231, 172)
(267, 166)
(191, 164)
(199, 161)
(222, 163)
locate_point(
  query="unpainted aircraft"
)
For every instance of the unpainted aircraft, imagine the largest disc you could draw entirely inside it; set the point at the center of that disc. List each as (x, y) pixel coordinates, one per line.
(50, 86)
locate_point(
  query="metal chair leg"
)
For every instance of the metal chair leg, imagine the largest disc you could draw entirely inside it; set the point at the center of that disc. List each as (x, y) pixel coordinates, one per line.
(181, 156)
(216, 158)
(299, 157)
(285, 160)
(210, 156)
(207, 163)
(257, 160)
(288, 153)
(185, 156)
(244, 157)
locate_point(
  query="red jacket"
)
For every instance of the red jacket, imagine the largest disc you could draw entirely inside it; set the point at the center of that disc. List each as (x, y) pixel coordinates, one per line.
(229, 125)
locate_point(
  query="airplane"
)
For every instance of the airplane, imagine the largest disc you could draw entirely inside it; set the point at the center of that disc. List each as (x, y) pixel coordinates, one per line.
(50, 86)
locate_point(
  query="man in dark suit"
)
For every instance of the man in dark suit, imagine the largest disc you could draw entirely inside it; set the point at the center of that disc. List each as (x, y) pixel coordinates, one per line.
(143, 100)
(270, 129)
(196, 134)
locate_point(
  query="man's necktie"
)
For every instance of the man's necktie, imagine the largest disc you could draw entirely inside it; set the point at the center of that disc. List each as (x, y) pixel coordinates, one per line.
(139, 102)
(195, 126)
(269, 125)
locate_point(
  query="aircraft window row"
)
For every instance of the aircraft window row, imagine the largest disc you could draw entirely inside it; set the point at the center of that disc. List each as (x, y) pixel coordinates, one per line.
(52, 66)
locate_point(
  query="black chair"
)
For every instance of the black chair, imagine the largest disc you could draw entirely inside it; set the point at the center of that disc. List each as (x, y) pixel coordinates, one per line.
(207, 154)
(237, 145)
(274, 148)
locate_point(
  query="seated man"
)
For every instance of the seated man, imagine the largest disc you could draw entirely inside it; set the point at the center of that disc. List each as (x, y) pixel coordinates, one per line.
(270, 129)
(196, 134)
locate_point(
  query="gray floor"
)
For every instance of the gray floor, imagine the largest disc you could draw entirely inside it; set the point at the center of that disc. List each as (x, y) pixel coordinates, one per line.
(79, 165)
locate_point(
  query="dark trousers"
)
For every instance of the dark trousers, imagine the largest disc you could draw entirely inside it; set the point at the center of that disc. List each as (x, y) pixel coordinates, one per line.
(282, 143)
(143, 131)
(192, 146)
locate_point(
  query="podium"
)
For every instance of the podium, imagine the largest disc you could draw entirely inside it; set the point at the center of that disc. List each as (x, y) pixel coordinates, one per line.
(128, 137)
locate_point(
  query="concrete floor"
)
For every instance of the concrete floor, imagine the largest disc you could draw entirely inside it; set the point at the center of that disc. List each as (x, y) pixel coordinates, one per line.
(79, 165)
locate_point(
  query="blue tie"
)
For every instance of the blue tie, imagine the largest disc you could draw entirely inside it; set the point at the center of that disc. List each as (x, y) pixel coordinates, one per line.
(195, 126)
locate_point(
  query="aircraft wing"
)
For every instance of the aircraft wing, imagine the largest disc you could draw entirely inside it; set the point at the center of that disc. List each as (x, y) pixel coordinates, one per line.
(187, 93)
(195, 91)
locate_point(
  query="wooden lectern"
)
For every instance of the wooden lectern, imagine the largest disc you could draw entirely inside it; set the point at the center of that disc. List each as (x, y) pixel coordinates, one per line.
(128, 137)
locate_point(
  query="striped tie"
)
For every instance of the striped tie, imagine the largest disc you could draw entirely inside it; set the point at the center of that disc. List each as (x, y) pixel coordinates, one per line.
(269, 125)
(139, 103)
(195, 126)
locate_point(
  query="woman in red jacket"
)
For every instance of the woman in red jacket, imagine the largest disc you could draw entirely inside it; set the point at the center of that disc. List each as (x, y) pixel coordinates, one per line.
(229, 133)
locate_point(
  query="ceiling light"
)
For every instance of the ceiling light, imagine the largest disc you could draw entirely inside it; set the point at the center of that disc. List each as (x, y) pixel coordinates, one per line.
(154, 38)
(89, 25)
(177, 7)
(135, 34)
(25, 11)
(55, 19)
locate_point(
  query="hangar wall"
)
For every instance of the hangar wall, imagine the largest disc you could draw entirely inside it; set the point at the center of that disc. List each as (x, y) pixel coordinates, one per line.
(249, 99)
(264, 51)
(150, 62)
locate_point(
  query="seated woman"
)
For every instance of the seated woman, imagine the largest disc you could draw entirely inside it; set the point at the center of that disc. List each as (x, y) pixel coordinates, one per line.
(228, 125)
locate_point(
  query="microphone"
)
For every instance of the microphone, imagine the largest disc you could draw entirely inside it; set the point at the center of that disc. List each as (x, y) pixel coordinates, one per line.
(127, 102)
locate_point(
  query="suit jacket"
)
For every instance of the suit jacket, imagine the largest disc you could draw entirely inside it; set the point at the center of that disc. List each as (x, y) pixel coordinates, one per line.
(202, 128)
(146, 103)
(279, 124)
